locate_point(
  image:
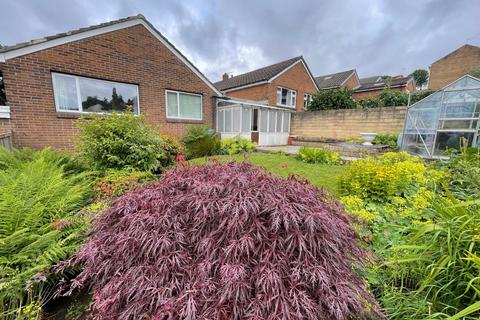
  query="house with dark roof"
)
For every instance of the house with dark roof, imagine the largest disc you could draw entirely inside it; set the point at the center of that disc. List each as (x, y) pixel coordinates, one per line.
(258, 104)
(453, 66)
(345, 79)
(48, 83)
(374, 85)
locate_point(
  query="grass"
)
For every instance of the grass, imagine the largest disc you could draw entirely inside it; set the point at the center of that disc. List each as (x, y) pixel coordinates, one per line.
(320, 175)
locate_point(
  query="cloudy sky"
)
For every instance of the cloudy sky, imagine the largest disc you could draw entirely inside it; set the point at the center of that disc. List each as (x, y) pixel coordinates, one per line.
(377, 37)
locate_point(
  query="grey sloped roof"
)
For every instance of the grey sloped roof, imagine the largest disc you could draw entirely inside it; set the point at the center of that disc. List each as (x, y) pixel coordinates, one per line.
(333, 80)
(380, 82)
(262, 74)
(103, 25)
(68, 33)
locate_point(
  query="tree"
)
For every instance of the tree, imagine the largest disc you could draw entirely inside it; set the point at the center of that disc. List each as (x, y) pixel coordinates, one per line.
(420, 76)
(332, 99)
(475, 72)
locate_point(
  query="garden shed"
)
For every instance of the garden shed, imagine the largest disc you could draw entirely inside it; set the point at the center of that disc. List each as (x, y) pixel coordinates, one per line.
(446, 119)
(262, 124)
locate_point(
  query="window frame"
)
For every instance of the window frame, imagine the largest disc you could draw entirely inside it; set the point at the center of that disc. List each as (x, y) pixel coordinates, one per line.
(308, 98)
(79, 98)
(293, 97)
(178, 105)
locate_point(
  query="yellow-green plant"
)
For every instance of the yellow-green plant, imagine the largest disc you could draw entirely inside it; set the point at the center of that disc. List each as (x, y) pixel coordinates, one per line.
(318, 155)
(392, 174)
(236, 145)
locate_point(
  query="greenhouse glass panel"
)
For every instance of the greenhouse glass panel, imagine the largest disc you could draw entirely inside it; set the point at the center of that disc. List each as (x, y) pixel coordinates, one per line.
(444, 120)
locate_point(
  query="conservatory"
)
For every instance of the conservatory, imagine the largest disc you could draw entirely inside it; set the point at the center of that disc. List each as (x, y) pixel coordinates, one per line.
(260, 123)
(446, 119)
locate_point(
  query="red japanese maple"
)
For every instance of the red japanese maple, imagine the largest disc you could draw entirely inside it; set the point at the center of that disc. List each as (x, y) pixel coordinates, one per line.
(225, 242)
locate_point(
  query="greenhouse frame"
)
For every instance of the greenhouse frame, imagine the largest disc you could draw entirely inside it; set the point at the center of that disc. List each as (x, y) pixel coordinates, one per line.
(446, 119)
(260, 123)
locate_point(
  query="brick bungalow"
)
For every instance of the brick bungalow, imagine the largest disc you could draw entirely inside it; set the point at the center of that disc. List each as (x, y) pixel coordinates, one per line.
(345, 79)
(453, 66)
(126, 63)
(259, 103)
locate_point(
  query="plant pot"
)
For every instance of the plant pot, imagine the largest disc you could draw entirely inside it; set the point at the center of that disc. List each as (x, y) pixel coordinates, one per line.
(368, 137)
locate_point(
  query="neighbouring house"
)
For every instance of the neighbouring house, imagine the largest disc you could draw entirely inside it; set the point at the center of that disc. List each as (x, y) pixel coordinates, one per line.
(372, 86)
(454, 65)
(345, 79)
(259, 103)
(127, 63)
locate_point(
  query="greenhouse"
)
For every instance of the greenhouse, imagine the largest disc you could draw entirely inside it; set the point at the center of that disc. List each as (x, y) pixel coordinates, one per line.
(446, 119)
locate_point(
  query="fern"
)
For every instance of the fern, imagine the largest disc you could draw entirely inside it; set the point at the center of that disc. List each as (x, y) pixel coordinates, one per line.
(39, 225)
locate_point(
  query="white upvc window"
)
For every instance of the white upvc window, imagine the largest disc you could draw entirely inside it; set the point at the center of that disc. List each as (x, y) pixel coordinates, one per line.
(88, 95)
(307, 99)
(182, 105)
(286, 97)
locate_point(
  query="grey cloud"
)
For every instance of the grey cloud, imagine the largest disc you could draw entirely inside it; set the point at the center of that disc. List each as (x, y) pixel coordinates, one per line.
(374, 36)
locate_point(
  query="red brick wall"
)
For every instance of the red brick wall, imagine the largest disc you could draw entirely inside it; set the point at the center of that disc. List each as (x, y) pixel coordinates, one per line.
(453, 66)
(352, 83)
(295, 78)
(131, 55)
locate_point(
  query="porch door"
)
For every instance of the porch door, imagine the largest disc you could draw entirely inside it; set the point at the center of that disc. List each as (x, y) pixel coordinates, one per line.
(254, 131)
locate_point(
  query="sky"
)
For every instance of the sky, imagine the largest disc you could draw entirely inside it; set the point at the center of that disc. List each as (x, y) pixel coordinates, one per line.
(375, 37)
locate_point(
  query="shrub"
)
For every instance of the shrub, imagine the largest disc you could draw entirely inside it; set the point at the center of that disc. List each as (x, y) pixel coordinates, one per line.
(225, 242)
(123, 141)
(386, 139)
(200, 141)
(445, 250)
(464, 173)
(38, 228)
(390, 98)
(369, 102)
(392, 174)
(419, 95)
(332, 99)
(318, 155)
(116, 183)
(236, 145)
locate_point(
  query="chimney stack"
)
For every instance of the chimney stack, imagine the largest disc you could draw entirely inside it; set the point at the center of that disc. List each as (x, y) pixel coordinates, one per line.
(225, 76)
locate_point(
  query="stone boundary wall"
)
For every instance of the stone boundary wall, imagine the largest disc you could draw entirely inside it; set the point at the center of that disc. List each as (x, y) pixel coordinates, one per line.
(347, 123)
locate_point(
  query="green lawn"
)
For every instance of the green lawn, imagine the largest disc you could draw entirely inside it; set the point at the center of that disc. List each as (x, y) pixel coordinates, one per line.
(321, 175)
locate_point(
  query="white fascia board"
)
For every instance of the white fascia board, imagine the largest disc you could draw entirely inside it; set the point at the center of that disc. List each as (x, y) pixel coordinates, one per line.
(92, 33)
(291, 66)
(246, 86)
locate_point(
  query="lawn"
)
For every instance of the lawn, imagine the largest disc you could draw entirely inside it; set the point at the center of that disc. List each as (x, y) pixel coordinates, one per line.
(320, 175)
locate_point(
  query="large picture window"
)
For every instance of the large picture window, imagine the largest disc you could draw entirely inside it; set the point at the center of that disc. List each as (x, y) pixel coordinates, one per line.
(286, 97)
(182, 105)
(81, 94)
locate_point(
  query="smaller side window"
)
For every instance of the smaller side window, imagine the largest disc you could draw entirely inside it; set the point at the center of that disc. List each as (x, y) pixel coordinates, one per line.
(3, 96)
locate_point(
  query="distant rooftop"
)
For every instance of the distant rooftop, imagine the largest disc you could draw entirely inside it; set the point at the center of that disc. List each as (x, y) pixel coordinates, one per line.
(333, 80)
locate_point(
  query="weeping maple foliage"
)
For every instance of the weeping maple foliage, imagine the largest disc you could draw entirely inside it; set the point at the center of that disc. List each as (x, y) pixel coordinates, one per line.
(224, 241)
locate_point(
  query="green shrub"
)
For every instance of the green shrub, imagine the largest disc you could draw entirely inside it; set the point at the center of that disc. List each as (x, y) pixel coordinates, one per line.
(369, 102)
(445, 251)
(116, 183)
(386, 139)
(318, 155)
(392, 174)
(236, 145)
(123, 141)
(332, 99)
(464, 172)
(200, 141)
(390, 98)
(39, 227)
(419, 95)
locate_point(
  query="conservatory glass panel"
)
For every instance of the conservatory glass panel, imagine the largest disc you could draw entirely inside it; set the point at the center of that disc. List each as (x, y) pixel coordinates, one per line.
(263, 120)
(271, 121)
(228, 120)
(220, 126)
(279, 121)
(286, 122)
(246, 121)
(236, 120)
